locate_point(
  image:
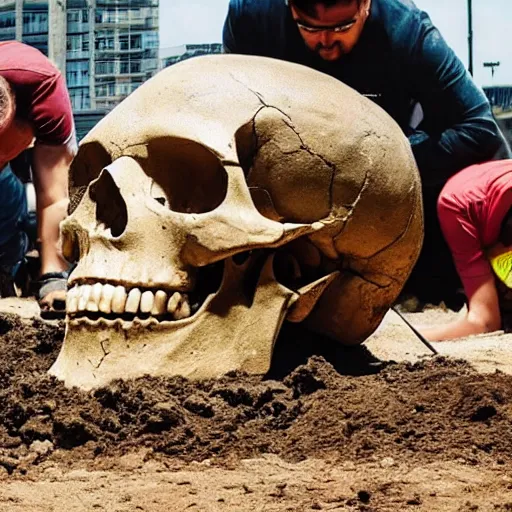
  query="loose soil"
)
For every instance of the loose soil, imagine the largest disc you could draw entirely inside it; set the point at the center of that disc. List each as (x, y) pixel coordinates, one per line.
(335, 431)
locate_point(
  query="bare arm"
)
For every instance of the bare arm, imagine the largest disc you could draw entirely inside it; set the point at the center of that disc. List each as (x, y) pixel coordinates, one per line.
(51, 166)
(483, 316)
(463, 238)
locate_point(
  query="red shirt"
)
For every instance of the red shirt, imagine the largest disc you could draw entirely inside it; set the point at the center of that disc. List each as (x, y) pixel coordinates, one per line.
(41, 94)
(471, 208)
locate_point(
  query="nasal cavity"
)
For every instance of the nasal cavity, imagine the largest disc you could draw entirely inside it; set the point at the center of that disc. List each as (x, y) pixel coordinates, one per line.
(110, 206)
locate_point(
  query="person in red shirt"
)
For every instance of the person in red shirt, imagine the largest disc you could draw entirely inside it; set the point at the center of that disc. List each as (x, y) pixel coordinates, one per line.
(475, 213)
(35, 109)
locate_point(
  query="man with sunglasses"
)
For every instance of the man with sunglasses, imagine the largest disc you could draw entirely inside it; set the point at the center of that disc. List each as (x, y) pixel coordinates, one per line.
(389, 51)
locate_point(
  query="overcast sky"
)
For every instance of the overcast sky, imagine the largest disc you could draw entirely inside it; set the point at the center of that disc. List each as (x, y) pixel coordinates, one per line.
(200, 21)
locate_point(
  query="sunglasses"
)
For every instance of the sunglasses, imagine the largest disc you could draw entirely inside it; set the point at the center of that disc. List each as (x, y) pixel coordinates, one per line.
(336, 29)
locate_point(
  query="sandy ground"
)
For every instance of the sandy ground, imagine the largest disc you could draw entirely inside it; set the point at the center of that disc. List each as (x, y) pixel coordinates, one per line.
(396, 481)
(395, 341)
(266, 484)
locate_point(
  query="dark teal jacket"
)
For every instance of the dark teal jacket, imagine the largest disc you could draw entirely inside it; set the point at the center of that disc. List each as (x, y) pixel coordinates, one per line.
(400, 60)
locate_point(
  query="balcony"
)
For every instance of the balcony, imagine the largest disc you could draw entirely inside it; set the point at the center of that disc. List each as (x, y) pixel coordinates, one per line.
(113, 97)
(7, 33)
(78, 28)
(77, 4)
(121, 22)
(118, 49)
(127, 3)
(73, 84)
(129, 75)
(35, 29)
(78, 55)
(103, 73)
(117, 71)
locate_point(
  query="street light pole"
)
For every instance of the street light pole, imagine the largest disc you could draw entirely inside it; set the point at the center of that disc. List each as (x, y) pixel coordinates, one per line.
(492, 65)
(470, 36)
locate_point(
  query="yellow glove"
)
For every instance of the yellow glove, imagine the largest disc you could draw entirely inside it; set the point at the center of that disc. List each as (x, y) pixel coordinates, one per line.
(500, 258)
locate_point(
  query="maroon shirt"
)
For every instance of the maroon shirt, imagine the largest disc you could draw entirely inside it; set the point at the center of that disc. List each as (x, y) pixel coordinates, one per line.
(41, 94)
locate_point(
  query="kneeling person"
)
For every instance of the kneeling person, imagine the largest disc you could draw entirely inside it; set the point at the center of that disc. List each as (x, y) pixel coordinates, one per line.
(34, 105)
(475, 213)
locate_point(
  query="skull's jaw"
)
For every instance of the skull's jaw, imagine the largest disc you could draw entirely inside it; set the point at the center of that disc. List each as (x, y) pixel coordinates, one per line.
(118, 302)
(231, 331)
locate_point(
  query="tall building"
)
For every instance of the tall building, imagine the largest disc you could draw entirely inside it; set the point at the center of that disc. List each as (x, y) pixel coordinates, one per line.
(175, 54)
(29, 21)
(105, 48)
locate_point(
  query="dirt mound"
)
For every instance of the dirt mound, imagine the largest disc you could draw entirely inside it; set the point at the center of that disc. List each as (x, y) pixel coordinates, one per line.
(435, 410)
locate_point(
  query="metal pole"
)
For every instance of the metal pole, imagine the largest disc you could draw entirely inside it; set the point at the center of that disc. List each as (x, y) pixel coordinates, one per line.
(416, 332)
(470, 36)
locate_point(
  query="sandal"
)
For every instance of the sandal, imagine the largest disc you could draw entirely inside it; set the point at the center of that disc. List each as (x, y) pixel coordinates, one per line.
(52, 295)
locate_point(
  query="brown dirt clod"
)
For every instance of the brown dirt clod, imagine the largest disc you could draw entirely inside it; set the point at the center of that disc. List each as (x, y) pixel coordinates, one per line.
(434, 410)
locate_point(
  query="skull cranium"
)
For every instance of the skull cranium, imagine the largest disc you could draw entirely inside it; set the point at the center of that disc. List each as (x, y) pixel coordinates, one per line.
(226, 195)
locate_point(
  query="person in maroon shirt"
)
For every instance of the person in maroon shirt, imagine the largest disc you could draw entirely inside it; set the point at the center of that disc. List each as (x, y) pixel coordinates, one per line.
(475, 213)
(35, 109)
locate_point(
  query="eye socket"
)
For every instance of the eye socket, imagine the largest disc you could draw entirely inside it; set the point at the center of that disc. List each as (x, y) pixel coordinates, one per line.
(91, 158)
(187, 176)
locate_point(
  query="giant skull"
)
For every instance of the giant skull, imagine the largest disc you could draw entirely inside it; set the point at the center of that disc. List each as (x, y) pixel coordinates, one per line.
(227, 195)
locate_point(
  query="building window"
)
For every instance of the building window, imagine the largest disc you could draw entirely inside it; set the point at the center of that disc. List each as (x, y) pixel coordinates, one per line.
(135, 66)
(77, 43)
(124, 42)
(136, 42)
(150, 40)
(7, 19)
(80, 99)
(101, 91)
(78, 20)
(124, 89)
(135, 14)
(106, 89)
(77, 73)
(35, 22)
(73, 16)
(105, 67)
(121, 15)
(130, 66)
(114, 15)
(104, 43)
(74, 43)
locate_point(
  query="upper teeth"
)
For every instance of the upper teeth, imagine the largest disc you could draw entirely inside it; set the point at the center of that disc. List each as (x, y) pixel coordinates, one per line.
(109, 299)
